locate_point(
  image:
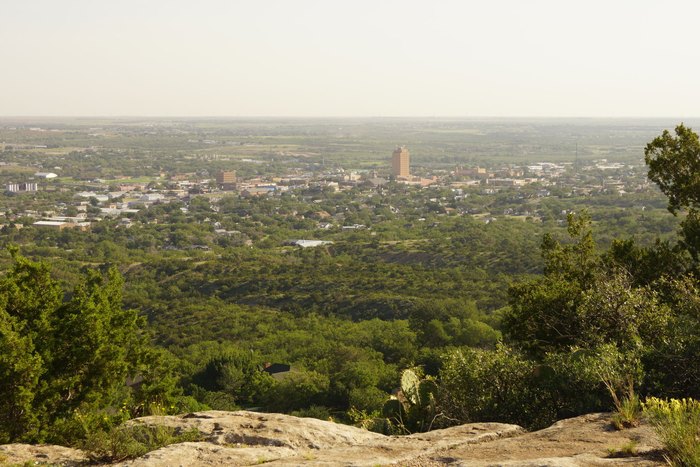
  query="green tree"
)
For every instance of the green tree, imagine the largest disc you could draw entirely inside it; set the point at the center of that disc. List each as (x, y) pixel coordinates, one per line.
(20, 369)
(300, 389)
(671, 364)
(62, 358)
(544, 311)
(237, 373)
(674, 165)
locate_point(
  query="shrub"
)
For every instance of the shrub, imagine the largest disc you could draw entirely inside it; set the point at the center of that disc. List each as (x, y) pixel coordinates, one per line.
(369, 399)
(592, 379)
(677, 422)
(131, 441)
(500, 385)
(628, 413)
(315, 411)
(626, 450)
(619, 372)
(299, 390)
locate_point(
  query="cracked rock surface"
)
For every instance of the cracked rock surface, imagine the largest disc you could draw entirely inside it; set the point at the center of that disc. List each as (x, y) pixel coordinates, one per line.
(251, 438)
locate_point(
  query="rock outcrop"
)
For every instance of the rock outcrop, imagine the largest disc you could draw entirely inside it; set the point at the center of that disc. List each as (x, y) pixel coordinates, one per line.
(19, 454)
(251, 438)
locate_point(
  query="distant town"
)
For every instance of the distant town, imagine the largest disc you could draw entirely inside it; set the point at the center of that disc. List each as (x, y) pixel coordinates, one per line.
(120, 197)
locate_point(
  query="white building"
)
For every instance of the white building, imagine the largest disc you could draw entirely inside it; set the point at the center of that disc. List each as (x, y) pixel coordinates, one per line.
(45, 175)
(20, 187)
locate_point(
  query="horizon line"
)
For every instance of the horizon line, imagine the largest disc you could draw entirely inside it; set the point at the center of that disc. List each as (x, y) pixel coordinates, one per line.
(468, 117)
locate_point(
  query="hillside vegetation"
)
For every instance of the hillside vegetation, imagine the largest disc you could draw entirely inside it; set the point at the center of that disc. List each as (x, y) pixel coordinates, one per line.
(511, 321)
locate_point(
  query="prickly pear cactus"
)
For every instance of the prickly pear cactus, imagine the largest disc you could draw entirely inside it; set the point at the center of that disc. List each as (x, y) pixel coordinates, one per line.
(427, 392)
(415, 407)
(392, 408)
(410, 384)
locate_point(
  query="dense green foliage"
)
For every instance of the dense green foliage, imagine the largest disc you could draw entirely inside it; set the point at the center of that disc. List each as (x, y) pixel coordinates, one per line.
(513, 306)
(674, 165)
(626, 321)
(65, 360)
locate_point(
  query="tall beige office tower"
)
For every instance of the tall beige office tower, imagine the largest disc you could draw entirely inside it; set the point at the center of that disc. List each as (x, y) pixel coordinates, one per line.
(399, 162)
(226, 180)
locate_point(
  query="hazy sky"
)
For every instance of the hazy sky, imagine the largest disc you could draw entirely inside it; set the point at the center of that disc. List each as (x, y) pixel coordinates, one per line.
(350, 58)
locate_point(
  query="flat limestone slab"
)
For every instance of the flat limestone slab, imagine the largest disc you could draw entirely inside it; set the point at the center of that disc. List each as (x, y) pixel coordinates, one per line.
(250, 438)
(40, 454)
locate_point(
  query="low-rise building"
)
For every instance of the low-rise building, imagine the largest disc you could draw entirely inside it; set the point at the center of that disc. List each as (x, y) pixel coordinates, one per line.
(21, 187)
(45, 175)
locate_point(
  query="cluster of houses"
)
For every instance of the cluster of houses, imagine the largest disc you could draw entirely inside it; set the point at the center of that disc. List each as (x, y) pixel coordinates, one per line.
(128, 198)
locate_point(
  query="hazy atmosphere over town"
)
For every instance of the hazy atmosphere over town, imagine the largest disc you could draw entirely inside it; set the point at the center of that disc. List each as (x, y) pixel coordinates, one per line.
(349, 233)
